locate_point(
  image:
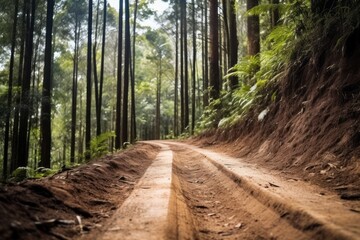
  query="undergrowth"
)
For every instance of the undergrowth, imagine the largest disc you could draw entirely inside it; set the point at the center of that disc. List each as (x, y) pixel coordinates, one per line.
(300, 35)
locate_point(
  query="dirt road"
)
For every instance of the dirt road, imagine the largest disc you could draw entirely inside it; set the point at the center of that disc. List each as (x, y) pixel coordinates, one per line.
(192, 193)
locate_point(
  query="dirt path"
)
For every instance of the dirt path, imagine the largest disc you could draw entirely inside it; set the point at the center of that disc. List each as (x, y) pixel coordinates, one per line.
(191, 193)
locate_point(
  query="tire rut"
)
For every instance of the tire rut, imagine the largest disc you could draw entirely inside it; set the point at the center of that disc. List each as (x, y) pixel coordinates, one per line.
(219, 208)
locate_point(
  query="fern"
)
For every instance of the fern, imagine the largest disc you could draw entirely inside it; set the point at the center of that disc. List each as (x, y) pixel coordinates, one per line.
(99, 145)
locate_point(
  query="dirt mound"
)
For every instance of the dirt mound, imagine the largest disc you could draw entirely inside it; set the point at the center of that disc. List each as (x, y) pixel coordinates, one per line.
(52, 208)
(312, 130)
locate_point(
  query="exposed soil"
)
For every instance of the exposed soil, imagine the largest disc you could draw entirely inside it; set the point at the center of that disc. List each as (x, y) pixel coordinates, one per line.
(48, 208)
(312, 129)
(171, 190)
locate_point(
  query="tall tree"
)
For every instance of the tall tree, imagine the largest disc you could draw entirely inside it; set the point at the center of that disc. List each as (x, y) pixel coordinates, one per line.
(9, 97)
(186, 67)
(102, 65)
(133, 117)
(125, 130)
(119, 79)
(275, 15)
(184, 88)
(253, 29)
(23, 147)
(193, 73)
(78, 11)
(214, 51)
(176, 95)
(15, 140)
(96, 78)
(233, 42)
(206, 55)
(46, 94)
(88, 83)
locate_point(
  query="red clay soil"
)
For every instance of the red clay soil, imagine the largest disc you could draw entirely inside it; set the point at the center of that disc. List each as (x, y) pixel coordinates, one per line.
(51, 208)
(312, 129)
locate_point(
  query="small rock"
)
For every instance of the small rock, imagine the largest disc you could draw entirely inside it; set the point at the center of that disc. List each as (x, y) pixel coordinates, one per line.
(238, 225)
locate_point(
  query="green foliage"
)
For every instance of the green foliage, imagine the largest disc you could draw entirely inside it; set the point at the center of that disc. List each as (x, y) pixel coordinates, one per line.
(44, 172)
(256, 73)
(20, 174)
(99, 145)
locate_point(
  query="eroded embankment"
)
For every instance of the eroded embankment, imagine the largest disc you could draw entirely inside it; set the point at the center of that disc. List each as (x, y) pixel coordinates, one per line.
(312, 129)
(219, 197)
(48, 208)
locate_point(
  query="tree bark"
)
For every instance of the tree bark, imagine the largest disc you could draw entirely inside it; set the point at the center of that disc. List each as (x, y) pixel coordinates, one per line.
(206, 58)
(45, 125)
(25, 90)
(193, 96)
(125, 130)
(253, 28)
(74, 89)
(119, 80)
(96, 77)
(15, 140)
(275, 15)
(176, 95)
(214, 51)
(133, 109)
(102, 66)
(88, 84)
(186, 74)
(9, 97)
(232, 41)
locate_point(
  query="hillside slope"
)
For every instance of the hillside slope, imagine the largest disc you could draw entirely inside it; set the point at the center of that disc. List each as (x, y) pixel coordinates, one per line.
(312, 129)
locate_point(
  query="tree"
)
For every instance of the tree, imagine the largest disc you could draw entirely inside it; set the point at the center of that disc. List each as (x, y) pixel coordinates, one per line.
(88, 84)
(214, 52)
(205, 60)
(193, 73)
(253, 29)
(124, 124)
(23, 146)
(102, 66)
(119, 80)
(176, 95)
(46, 95)
(133, 110)
(77, 11)
(9, 97)
(275, 15)
(232, 40)
(96, 78)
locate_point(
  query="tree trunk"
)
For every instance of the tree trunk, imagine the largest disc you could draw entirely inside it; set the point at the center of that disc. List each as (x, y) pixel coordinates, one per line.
(96, 78)
(186, 74)
(15, 140)
(9, 97)
(214, 51)
(133, 112)
(206, 58)
(158, 95)
(74, 89)
(275, 15)
(46, 94)
(102, 66)
(119, 80)
(193, 95)
(253, 28)
(25, 90)
(176, 100)
(88, 84)
(232, 41)
(125, 130)
(182, 100)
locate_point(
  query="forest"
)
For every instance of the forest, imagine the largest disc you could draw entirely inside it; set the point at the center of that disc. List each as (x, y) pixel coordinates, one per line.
(274, 82)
